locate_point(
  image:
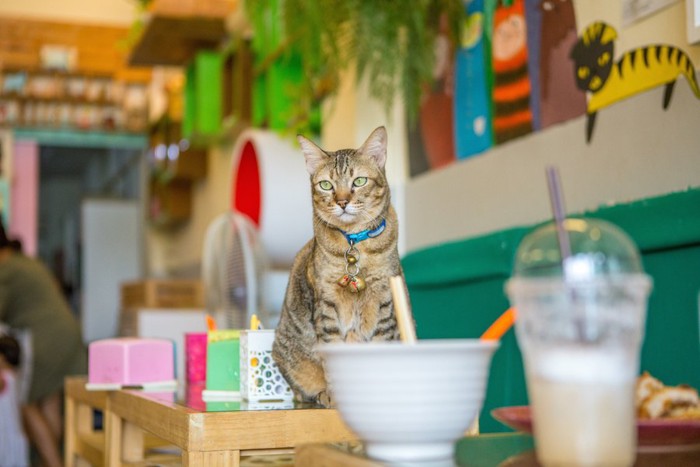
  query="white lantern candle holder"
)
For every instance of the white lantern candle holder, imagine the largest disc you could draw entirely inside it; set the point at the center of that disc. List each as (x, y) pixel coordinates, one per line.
(261, 379)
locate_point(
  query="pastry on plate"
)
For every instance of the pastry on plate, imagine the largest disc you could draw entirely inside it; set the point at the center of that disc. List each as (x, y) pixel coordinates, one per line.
(655, 400)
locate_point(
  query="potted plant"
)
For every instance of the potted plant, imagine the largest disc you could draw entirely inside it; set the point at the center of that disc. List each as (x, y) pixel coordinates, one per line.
(391, 43)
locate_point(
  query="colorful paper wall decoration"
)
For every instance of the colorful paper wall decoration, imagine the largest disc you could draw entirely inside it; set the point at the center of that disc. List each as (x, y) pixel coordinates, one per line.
(533, 18)
(521, 67)
(472, 116)
(560, 99)
(436, 124)
(512, 117)
(636, 70)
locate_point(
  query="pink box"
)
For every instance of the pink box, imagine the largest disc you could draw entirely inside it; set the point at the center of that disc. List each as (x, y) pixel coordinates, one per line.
(194, 395)
(196, 356)
(131, 360)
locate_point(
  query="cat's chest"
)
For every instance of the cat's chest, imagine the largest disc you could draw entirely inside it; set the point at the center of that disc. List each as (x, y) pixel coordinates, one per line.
(355, 311)
(373, 267)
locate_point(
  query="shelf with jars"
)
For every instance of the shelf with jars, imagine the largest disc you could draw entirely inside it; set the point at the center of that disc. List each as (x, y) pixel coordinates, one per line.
(71, 101)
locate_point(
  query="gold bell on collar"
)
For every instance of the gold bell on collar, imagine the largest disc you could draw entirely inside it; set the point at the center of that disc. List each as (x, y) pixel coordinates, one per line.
(357, 284)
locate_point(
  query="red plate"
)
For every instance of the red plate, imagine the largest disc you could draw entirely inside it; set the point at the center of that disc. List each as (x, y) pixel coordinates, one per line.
(517, 417)
(649, 432)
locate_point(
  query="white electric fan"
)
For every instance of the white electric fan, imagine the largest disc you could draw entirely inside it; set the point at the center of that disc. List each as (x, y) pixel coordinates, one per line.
(234, 265)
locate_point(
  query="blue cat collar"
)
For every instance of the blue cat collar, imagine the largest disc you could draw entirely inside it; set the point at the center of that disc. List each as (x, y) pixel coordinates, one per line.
(354, 238)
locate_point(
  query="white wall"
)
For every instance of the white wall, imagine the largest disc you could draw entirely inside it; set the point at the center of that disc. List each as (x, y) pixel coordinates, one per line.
(178, 251)
(638, 150)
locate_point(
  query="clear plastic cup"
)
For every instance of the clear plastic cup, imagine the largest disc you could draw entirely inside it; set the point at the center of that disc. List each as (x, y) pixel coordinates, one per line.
(580, 325)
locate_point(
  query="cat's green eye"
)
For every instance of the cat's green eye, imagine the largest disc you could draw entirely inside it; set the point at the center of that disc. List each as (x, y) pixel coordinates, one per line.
(604, 59)
(359, 181)
(325, 185)
(583, 72)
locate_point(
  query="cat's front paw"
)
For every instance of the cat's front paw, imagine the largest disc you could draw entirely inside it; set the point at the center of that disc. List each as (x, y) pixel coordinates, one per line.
(324, 399)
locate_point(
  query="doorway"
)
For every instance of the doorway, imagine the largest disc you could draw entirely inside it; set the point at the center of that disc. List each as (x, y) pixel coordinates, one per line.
(68, 176)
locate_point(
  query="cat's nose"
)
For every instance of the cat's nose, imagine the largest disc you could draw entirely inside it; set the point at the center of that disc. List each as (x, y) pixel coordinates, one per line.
(342, 203)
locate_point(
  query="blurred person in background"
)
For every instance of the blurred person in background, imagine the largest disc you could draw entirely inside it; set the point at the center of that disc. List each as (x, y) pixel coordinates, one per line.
(31, 300)
(16, 245)
(14, 451)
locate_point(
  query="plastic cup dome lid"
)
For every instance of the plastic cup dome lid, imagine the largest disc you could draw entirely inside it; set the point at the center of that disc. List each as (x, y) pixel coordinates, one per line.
(598, 248)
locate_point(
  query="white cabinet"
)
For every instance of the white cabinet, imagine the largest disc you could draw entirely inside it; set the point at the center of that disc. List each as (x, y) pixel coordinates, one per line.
(112, 253)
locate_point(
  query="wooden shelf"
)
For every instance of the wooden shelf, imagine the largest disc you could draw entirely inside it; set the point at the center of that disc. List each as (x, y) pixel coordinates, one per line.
(62, 99)
(172, 40)
(170, 203)
(51, 99)
(187, 163)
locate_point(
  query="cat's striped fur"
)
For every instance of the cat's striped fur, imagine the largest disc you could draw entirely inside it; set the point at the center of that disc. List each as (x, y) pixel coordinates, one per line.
(349, 193)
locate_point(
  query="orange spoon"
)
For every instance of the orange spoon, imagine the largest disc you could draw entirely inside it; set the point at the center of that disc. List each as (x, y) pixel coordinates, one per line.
(500, 326)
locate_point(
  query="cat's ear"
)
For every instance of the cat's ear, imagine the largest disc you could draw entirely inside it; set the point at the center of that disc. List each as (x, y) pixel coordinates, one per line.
(314, 155)
(375, 146)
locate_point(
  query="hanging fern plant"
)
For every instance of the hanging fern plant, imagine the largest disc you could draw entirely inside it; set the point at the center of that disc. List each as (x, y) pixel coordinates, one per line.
(390, 42)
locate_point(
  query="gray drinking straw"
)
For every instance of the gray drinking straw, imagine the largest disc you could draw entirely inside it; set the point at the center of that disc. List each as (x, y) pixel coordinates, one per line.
(556, 199)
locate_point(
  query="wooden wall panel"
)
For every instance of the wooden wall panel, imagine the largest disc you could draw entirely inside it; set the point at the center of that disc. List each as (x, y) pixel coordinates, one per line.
(101, 49)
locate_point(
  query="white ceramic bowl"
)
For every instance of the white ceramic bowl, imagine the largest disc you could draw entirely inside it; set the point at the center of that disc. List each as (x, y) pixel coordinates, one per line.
(409, 402)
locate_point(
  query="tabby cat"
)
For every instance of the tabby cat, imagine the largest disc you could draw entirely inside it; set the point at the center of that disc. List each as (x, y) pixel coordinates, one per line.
(339, 283)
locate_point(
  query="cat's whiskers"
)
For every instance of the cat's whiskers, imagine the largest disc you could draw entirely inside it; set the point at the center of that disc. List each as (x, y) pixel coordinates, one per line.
(354, 209)
(367, 218)
(318, 221)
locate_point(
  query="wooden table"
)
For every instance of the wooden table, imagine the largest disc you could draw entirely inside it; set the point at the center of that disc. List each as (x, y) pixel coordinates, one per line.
(81, 438)
(212, 438)
(486, 450)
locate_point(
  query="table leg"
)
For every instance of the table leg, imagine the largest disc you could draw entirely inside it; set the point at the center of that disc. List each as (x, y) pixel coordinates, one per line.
(124, 441)
(69, 432)
(132, 443)
(211, 458)
(113, 439)
(84, 422)
(78, 423)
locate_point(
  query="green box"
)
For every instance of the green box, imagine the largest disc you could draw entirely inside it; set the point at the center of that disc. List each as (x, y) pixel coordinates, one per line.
(223, 406)
(223, 360)
(203, 98)
(279, 75)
